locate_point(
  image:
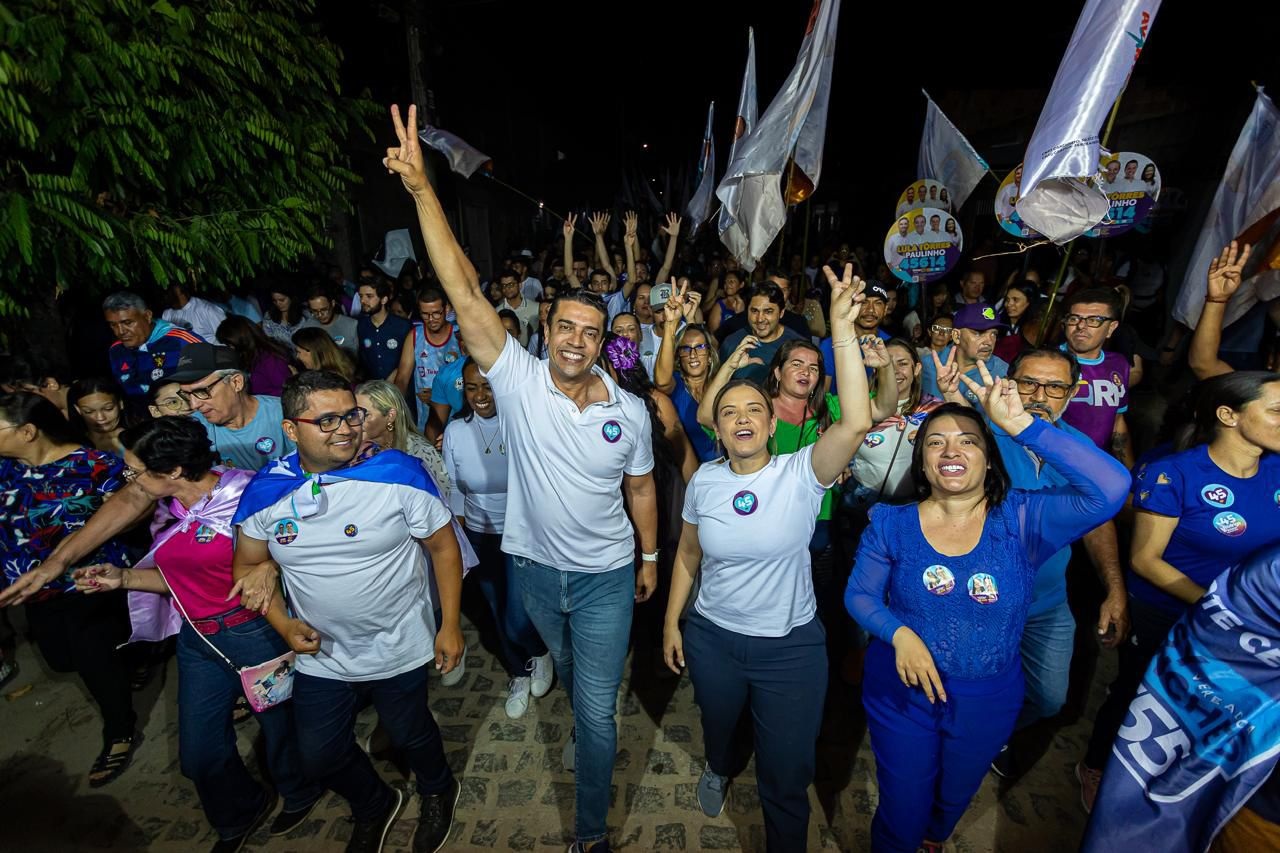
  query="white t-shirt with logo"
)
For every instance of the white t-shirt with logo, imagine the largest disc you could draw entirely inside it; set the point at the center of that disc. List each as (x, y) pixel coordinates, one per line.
(564, 498)
(475, 455)
(356, 573)
(754, 530)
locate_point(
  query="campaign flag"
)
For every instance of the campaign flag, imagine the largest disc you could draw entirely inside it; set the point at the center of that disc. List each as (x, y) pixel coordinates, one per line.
(462, 158)
(397, 249)
(736, 238)
(793, 129)
(1057, 199)
(699, 209)
(1249, 194)
(946, 156)
(1203, 732)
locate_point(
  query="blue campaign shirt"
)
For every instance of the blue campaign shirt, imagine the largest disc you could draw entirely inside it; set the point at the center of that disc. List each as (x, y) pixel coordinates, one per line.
(1221, 519)
(996, 366)
(1029, 472)
(704, 447)
(447, 386)
(829, 357)
(380, 345)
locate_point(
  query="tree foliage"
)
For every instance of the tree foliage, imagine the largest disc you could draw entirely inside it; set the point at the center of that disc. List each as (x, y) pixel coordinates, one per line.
(146, 139)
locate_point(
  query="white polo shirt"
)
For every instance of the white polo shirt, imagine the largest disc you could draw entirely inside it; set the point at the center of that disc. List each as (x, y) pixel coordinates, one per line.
(754, 530)
(564, 496)
(356, 573)
(475, 455)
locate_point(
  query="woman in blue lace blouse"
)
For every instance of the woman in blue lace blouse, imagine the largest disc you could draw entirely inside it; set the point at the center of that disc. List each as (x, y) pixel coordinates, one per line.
(943, 585)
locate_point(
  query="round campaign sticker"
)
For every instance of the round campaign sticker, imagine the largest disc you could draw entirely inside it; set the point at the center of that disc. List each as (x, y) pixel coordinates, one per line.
(939, 580)
(745, 503)
(1217, 495)
(1132, 183)
(392, 343)
(205, 534)
(1007, 200)
(265, 445)
(874, 439)
(1276, 497)
(982, 588)
(923, 244)
(924, 193)
(350, 531)
(286, 532)
(1229, 523)
(612, 431)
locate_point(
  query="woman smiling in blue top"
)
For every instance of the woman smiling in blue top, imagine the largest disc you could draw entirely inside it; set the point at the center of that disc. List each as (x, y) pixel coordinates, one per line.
(944, 585)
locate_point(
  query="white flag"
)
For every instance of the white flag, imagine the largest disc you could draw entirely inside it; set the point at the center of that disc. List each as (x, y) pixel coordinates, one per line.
(1056, 200)
(462, 158)
(735, 239)
(397, 248)
(946, 156)
(793, 126)
(1249, 192)
(700, 205)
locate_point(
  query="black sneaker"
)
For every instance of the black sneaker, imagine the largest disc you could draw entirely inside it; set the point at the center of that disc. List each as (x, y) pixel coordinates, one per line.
(1002, 765)
(234, 845)
(368, 836)
(435, 819)
(287, 821)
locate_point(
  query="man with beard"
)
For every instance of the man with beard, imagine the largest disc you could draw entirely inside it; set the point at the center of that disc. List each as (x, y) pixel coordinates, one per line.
(765, 309)
(790, 319)
(1102, 399)
(428, 347)
(578, 445)
(973, 340)
(379, 331)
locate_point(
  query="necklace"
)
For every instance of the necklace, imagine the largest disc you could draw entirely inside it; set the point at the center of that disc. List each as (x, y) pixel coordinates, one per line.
(488, 442)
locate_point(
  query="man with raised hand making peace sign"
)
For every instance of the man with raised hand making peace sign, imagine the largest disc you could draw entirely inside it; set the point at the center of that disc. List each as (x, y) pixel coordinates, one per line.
(578, 445)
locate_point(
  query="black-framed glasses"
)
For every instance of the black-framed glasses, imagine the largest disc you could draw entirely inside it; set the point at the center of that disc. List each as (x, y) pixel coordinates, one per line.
(691, 348)
(201, 393)
(1092, 321)
(1052, 390)
(330, 423)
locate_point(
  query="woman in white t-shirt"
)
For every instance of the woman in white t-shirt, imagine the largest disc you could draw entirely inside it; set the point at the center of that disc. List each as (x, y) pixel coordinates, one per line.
(752, 635)
(476, 458)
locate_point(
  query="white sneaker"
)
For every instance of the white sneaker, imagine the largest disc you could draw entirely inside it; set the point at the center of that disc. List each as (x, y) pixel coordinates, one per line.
(454, 675)
(542, 673)
(518, 698)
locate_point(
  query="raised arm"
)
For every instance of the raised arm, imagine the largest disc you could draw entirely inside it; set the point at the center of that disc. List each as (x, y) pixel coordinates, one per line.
(835, 449)
(600, 224)
(672, 230)
(740, 357)
(876, 357)
(1224, 281)
(631, 224)
(664, 369)
(477, 319)
(568, 229)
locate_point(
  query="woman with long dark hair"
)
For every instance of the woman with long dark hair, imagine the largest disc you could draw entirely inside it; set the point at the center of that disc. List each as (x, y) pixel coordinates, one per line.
(265, 359)
(171, 461)
(1200, 510)
(50, 485)
(943, 585)
(96, 407)
(687, 360)
(283, 316)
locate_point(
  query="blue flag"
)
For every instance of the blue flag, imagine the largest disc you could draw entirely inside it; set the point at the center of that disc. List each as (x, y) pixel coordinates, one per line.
(1203, 733)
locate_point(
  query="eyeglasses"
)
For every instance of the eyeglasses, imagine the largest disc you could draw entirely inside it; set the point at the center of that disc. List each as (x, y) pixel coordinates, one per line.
(173, 404)
(201, 393)
(940, 329)
(131, 474)
(1052, 390)
(692, 348)
(330, 423)
(1093, 322)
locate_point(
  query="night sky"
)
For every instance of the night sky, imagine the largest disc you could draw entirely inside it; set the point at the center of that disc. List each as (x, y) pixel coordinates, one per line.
(523, 80)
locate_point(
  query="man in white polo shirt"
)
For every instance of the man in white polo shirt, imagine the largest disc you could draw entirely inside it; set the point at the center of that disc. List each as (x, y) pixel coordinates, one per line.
(578, 445)
(349, 541)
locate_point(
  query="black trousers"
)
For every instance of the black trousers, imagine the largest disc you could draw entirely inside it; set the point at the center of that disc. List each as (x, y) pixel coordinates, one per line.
(80, 633)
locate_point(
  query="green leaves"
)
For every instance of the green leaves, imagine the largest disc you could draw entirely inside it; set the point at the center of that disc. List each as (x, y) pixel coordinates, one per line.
(143, 138)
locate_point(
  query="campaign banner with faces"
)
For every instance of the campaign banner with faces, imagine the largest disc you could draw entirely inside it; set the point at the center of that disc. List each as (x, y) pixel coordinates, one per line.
(1006, 205)
(1132, 184)
(924, 192)
(923, 245)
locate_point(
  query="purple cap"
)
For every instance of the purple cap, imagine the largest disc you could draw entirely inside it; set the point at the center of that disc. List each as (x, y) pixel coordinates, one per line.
(979, 317)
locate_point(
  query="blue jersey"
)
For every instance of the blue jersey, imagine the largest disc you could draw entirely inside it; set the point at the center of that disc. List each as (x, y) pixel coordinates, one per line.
(447, 387)
(1221, 519)
(428, 358)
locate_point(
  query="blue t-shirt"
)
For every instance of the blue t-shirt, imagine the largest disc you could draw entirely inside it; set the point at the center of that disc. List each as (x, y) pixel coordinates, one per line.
(258, 442)
(380, 345)
(1221, 519)
(447, 387)
(1029, 472)
(829, 357)
(704, 447)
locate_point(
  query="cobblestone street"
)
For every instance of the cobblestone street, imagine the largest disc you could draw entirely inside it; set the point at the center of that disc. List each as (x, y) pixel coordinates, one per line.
(515, 794)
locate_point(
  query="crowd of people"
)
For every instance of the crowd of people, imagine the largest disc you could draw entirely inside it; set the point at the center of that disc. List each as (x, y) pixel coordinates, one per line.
(768, 478)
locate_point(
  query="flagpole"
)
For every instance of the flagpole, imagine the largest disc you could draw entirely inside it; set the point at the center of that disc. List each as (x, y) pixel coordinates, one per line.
(541, 206)
(782, 235)
(1071, 247)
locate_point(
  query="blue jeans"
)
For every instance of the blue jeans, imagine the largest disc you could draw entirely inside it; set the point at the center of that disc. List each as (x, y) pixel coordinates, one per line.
(494, 574)
(783, 680)
(585, 620)
(207, 691)
(326, 708)
(1047, 643)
